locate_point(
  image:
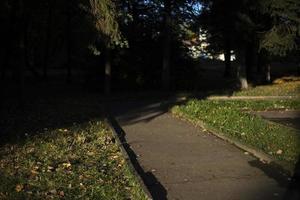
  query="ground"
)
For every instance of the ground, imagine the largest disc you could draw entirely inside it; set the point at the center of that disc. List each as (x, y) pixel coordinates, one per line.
(59, 147)
(180, 161)
(59, 138)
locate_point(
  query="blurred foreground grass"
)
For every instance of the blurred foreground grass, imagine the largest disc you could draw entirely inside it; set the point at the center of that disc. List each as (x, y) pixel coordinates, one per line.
(77, 162)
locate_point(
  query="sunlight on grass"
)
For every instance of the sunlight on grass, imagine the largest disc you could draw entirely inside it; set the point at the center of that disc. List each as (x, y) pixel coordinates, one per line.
(79, 162)
(231, 119)
(280, 87)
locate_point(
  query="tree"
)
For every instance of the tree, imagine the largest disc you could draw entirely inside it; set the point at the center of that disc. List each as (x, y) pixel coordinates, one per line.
(104, 13)
(166, 45)
(255, 27)
(279, 35)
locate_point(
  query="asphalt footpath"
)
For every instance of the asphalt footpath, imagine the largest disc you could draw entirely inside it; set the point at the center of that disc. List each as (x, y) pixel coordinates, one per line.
(177, 160)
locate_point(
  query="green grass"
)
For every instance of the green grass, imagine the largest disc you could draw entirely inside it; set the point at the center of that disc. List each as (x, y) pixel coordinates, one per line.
(279, 88)
(231, 119)
(78, 162)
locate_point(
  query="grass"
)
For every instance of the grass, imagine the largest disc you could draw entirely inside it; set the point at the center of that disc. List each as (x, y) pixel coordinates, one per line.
(57, 147)
(230, 119)
(78, 162)
(287, 86)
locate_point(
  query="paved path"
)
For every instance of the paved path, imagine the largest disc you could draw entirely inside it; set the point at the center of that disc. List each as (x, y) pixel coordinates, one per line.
(287, 118)
(183, 162)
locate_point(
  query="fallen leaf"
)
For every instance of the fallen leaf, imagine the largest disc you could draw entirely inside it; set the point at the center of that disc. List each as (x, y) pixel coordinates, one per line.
(61, 193)
(90, 153)
(34, 172)
(19, 187)
(67, 165)
(53, 191)
(279, 152)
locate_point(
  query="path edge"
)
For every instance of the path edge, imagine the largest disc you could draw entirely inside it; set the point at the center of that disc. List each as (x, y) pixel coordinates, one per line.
(126, 156)
(252, 98)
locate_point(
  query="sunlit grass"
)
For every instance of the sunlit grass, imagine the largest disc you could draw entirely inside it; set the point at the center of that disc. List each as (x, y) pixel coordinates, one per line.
(230, 118)
(77, 162)
(288, 86)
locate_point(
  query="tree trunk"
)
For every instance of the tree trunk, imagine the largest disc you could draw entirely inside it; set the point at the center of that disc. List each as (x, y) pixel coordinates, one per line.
(250, 63)
(268, 73)
(5, 59)
(20, 48)
(68, 40)
(107, 65)
(3, 50)
(227, 56)
(264, 66)
(47, 42)
(241, 70)
(259, 63)
(166, 46)
(9, 37)
(28, 64)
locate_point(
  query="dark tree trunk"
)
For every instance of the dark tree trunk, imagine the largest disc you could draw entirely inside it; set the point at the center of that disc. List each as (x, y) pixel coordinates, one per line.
(20, 49)
(241, 69)
(250, 63)
(264, 66)
(259, 63)
(28, 64)
(166, 46)
(3, 50)
(68, 42)
(107, 66)
(10, 36)
(5, 58)
(227, 72)
(48, 37)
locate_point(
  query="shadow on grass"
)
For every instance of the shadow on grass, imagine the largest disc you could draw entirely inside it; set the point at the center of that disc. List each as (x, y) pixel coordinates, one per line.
(47, 106)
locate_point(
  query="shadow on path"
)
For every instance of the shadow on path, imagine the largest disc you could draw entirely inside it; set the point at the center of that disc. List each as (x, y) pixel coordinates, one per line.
(136, 111)
(156, 189)
(293, 192)
(273, 171)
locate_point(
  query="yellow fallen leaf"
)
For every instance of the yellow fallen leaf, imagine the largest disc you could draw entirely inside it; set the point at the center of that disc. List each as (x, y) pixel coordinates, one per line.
(67, 165)
(90, 153)
(19, 187)
(34, 172)
(279, 152)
